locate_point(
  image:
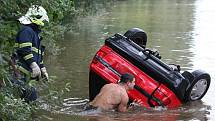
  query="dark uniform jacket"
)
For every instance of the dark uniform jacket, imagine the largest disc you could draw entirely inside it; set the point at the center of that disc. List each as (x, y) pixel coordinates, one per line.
(28, 48)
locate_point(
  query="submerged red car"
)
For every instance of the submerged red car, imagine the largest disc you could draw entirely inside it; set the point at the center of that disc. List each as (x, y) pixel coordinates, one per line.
(157, 84)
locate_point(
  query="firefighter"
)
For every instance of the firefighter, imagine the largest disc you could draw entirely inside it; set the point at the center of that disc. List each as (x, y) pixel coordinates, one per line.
(29, 51)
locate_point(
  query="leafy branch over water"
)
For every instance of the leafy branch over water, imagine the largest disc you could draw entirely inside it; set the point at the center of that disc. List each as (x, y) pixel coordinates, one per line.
(61, 14)
(11, 106)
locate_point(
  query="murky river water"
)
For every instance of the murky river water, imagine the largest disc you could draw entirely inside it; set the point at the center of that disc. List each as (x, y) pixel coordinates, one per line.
(182, 30)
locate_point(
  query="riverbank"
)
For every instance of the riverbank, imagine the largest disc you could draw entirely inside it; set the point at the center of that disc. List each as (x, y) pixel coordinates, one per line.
(61, 14)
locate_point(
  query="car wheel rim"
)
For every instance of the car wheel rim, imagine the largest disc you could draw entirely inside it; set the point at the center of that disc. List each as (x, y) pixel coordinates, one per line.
(198, 89)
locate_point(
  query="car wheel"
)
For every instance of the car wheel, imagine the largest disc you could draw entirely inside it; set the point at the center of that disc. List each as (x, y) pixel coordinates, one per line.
(198, 87)
(138, 36)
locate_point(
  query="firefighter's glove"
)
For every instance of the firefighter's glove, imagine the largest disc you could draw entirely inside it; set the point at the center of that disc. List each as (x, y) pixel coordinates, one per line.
(44, 73)
(35, 70)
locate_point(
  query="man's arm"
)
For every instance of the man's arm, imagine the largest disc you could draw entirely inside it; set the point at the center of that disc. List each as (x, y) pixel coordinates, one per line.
(123, 104)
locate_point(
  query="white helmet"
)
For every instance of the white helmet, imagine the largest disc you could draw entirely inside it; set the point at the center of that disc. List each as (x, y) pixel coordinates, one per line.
(35, 14)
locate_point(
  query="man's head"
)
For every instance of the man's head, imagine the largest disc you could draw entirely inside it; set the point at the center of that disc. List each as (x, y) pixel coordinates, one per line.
(36, 14)
(127, 79)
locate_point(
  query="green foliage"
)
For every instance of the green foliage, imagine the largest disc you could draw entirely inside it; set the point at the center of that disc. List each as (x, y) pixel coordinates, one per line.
(11, 106)
(61, 14)
(14, 108)
(11, 10)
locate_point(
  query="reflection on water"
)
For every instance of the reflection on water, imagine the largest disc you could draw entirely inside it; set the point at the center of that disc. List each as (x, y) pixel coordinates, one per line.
(205, 45)
(180, 29)
(73, 110)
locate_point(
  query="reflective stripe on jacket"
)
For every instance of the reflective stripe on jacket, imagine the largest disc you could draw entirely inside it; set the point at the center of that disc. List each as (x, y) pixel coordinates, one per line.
(28, 47)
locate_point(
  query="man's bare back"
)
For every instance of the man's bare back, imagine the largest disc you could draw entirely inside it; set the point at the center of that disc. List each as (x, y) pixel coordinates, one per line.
(114, 96)
(111, 96)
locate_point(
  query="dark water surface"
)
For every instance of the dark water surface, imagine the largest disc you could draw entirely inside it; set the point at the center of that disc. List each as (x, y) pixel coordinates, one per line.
(183, 32)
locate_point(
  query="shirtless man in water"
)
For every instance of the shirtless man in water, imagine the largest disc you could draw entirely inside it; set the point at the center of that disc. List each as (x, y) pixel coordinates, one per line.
(114, 96)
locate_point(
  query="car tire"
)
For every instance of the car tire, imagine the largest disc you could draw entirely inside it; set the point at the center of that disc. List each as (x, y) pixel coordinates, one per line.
(138, 36)
(198, 86)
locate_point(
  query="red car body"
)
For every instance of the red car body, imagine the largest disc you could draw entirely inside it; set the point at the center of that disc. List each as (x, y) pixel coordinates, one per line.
(156, 84)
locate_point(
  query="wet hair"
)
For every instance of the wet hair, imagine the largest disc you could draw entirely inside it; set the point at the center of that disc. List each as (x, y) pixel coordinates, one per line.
(126, 78)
